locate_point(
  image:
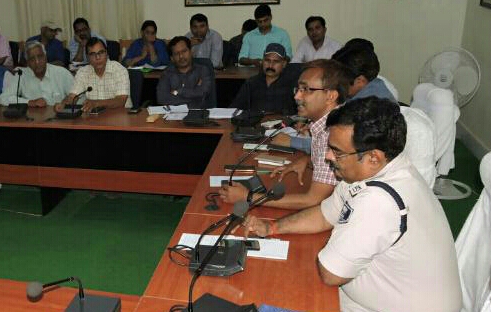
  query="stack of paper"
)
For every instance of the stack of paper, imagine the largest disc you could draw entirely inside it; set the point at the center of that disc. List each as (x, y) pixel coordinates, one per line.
(268, 248)
(222, 113)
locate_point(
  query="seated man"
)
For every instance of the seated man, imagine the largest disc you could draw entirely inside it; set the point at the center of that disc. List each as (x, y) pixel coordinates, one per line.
(270, 90)
(321, 87)
(384, 257)
(184, 82)
(256, 41)
(6, 61)
(82, 35)
(54, 47)
(109, 80)
(148, 49)
(205, 42)
(316, 44)
(41, 83)
(236, 41)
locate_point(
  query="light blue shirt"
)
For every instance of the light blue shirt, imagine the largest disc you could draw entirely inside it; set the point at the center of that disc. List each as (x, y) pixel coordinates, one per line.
(54, 87)
(254, 42)
(211, 47)
(73, 46)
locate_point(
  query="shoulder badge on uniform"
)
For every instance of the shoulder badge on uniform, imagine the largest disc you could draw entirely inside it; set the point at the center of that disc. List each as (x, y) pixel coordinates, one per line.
(356, 188)
(345, 213)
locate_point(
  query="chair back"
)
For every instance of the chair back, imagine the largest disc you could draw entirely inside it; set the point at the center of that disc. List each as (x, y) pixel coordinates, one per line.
(113, 50)
(473, 247)
(212, 97)
(439, 105)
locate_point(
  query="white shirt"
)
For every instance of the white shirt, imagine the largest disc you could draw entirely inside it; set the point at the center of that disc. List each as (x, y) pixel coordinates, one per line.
(306, 51)
(54, 86)
(114, 82)
(418, 273)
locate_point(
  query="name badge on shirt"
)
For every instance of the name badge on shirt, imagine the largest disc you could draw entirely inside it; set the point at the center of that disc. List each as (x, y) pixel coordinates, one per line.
(345, 213)
(356, 188)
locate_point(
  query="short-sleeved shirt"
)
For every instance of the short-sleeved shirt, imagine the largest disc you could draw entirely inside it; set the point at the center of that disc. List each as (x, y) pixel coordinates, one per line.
(54, 87)
(419, 272)
(5, 51)
(54, 49)
(211, 47)
(306, 52)
(322, 171)
(114, 82)
(256, 95)
(254, 42)
(73, 46)
(136, 49)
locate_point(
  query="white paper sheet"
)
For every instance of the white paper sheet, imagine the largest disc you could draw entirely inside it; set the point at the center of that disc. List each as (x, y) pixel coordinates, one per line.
(216, 181)
(269, 248)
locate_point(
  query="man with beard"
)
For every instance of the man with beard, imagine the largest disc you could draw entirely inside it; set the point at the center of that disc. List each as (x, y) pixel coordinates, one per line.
(184, 82)
(54, 47)
(270, 90)
(316, 44)
(41, 84)
(322, 86)
(82, 34)
(391, 248)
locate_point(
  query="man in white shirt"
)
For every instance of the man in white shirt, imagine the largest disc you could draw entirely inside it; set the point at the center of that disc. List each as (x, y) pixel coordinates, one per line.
(384, 255)
(316, 44)
(205, 42)
(41, 83)
(108, 79)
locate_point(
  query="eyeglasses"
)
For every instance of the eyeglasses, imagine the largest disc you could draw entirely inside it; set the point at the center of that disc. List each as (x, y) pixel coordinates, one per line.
(339, 154)
(100, 53)
(307, 89)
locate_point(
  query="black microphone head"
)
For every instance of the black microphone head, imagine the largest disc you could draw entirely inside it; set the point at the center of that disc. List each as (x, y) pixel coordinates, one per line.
(240, 208)
(34, 291)
(277, 191)
(89, 89)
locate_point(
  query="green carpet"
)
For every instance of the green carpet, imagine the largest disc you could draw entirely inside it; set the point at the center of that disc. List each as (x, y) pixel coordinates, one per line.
(467, 171)
(111, 244)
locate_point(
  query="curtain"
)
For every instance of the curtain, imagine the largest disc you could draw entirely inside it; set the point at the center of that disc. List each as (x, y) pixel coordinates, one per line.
(113, 19)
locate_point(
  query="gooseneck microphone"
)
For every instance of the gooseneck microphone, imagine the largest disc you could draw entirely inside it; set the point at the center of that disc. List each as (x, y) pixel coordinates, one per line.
(81, 302)
(89, 88)
(35, 289)
(19, 72)
(284, 124)
(16, 110)
(71, 113)
(240, 210)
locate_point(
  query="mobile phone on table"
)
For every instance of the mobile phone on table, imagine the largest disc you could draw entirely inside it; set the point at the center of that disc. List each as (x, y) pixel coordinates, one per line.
(97, 110)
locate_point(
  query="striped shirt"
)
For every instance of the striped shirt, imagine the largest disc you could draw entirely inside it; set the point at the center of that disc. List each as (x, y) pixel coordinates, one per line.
(322, 172)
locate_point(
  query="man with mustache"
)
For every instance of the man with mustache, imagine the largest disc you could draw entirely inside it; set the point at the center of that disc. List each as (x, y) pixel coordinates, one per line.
(384, 255)
(270, 90)
(322, 86)
(82, 35)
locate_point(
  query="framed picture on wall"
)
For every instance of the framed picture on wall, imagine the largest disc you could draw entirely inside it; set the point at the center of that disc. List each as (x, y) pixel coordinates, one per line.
(229, 2)
(486, 3)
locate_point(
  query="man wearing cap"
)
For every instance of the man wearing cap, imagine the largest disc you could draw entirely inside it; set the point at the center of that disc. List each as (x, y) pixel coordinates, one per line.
(256, 41)
(271, 89)
(54, 47)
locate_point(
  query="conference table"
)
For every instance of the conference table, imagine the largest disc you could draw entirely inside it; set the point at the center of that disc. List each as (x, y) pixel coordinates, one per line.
(292, 284)
(231, 72)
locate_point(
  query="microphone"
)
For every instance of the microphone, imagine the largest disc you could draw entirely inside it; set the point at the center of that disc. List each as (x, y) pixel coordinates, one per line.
(71, 113)
(16, 110)
(275, 193)
(286, 123)
(89, 88)
(80, 302)
(19, 72)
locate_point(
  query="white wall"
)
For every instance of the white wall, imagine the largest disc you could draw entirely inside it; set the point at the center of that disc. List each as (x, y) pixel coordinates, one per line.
(405, 32)
(476, 116)
(8, 20)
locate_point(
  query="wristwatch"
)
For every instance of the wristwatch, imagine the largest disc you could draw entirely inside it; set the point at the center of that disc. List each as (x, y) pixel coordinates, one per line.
(175, 92)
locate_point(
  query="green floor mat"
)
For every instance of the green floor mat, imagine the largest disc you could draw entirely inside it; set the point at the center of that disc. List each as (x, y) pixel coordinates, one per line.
(111, 244)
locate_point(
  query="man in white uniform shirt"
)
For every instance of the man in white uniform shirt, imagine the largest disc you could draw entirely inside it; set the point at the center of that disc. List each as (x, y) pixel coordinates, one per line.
(108, 79)
(384, 256)
(316, 44)
(41, 83)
